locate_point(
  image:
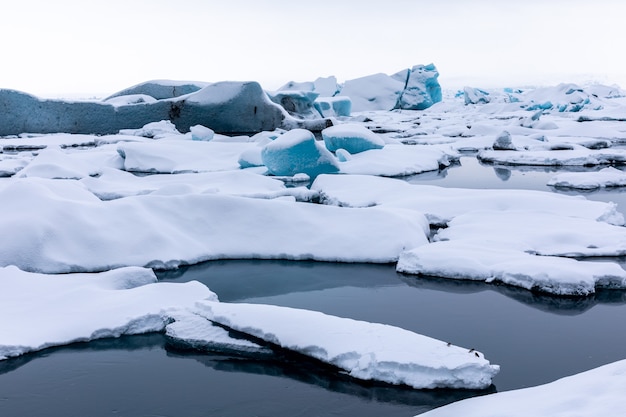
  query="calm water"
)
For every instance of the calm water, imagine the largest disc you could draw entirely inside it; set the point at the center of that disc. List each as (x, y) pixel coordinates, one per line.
(536, 339)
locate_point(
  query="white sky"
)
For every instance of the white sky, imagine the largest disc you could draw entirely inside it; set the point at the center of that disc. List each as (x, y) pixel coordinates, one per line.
(67, 47)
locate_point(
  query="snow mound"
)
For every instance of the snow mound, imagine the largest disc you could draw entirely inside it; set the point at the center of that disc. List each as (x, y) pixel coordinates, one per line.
(50, 311)
(598, 392)
(367, 351)
(296, 152)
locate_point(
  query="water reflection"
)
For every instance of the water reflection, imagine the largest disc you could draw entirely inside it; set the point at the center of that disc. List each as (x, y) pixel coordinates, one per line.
(559, 305)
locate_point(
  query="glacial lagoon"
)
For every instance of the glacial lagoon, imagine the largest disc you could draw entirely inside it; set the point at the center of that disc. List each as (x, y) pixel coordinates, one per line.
(535, 338)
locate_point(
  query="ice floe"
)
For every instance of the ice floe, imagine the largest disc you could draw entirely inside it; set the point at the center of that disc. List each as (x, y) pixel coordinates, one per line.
(598, 392)
(53, 310)
(367, 351)
(605, 178)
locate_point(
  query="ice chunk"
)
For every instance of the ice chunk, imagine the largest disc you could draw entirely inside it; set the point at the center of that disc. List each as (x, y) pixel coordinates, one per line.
(504, 142)
(598, 392)
(396, 160)
(475, 96)
(491, 262)
(297, 151)
(175, 156)
(297, 103)
(421, 89)
(338, 106)
(367, 351)
(605, 178)
(190, 330)
(47, 311)
(153, 130)
(9, 165)
(354, 138)
(54, 163)
(199, 132)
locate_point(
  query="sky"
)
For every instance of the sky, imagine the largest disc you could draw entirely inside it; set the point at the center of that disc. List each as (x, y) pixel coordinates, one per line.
(97, 47)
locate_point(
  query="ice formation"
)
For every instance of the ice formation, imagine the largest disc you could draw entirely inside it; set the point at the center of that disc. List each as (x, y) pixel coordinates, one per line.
(604, 178)
(367, 351)
(296, 152)
(351, 137)
(50, 311)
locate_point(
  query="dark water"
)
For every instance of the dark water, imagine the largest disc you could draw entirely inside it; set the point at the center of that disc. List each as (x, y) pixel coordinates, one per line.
(536, 339)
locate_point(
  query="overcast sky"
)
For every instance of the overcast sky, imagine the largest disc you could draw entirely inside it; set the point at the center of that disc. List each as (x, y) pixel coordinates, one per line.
(64, 47)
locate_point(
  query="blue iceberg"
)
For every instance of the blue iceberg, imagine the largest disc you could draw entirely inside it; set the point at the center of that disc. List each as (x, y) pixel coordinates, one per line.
(352, 138)
(296, 152)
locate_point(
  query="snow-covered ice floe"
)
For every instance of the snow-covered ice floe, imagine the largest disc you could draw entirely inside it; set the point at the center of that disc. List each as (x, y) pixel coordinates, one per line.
(42, 311)
(57, 226)
(598, 392)
(517, 237)
(363, 350)
(605, 178)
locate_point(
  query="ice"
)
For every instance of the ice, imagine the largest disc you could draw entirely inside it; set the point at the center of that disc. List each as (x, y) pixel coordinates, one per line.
(199, 132)
(598, 392)
(338, 106)
(129, 99)
(161, 89)
(421, 90)
(395, 160)
(605, 178)
(475, 95)
(441, 205)
(297, 103)
(296, 152)
(574, 156)
(153, 130)
(114, 183)
(57, 226)
(494, 263)
(504, 142)
(176, 156)
(42, 310)
(373, 92)
(366, 351)
(10, 165)
(353, 138)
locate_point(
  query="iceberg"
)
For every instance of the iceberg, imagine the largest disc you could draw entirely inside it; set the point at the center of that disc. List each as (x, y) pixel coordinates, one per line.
(421, 89)
(50, 311)
(597, 392)
(353, 138)
(475, 96)
(366, 351)
(296, 152)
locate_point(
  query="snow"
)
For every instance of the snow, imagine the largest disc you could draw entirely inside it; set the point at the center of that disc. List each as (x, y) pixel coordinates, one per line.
(597, 392)
(296, 152)
(367, 351)
(45, 310)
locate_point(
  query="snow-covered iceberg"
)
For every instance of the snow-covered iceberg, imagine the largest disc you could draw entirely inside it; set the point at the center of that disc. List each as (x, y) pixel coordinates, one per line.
(366, 351)
(605, 178)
